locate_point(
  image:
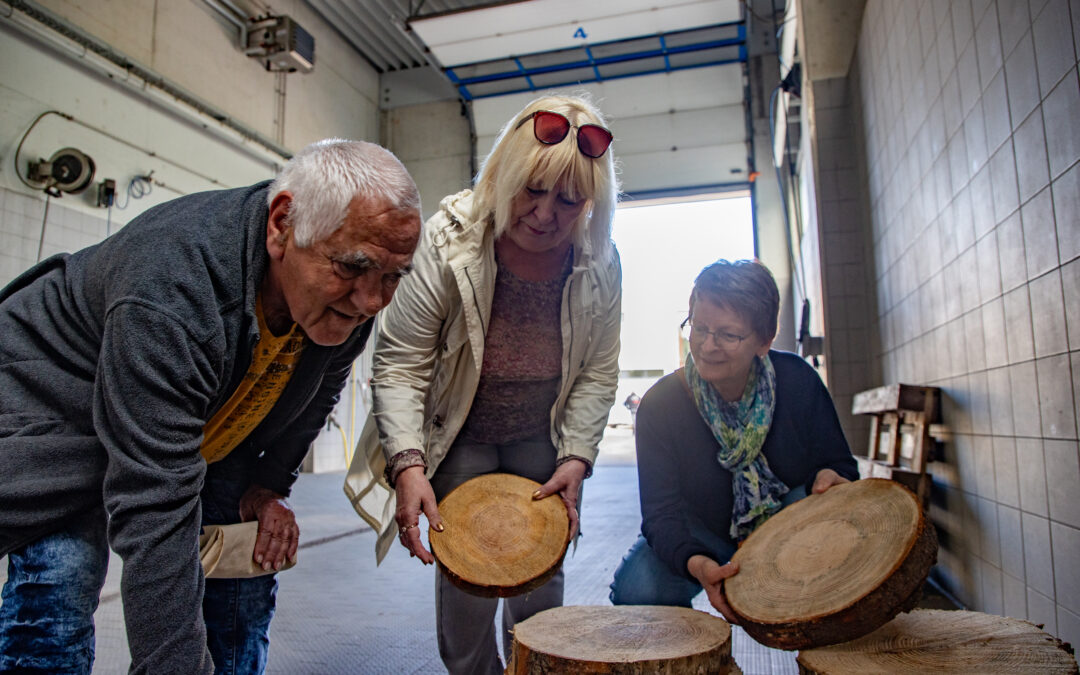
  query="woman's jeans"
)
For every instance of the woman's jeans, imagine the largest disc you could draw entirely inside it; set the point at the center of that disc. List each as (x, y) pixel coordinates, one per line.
(464, 622)
(47, 613)
(643, 578)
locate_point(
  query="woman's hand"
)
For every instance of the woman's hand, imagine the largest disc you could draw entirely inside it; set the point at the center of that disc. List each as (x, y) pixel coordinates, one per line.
(567, 482)
(414, 495)
(826, 478)
(279, 535)
(711, 574)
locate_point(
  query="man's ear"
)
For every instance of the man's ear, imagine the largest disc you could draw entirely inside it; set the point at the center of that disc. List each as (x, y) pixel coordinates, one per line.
(277, 224)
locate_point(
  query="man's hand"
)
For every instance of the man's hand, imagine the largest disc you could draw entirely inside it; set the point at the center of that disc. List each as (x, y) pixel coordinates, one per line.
(279, 534)
(711, 574)
(414, 495)
(567, 482)
(826, 478)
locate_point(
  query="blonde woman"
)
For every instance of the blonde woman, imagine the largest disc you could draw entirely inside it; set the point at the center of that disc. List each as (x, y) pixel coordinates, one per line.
(500, 351)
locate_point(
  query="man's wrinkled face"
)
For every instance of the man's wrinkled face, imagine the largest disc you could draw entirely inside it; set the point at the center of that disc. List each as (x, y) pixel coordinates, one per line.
(336, 284)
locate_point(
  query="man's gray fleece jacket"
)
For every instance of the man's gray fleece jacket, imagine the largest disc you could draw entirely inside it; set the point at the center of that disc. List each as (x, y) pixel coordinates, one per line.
(111, 361)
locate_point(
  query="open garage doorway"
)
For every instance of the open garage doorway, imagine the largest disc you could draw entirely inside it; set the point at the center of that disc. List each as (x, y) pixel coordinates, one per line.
(663, 245)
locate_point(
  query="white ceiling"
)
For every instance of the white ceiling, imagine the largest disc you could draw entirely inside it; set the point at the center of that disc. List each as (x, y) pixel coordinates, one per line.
(534, 26)
(670, 73)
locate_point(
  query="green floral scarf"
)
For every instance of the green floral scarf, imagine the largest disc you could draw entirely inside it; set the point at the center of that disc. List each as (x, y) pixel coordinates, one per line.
(740, 428)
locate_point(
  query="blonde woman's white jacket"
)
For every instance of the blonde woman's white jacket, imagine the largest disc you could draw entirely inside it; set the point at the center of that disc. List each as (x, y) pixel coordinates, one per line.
(430, 347)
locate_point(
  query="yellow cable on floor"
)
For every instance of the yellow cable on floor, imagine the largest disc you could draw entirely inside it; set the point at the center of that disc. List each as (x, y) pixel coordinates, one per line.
(352, 416)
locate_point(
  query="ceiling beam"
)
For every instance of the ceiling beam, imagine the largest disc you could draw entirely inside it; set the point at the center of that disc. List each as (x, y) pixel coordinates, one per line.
(829, 31)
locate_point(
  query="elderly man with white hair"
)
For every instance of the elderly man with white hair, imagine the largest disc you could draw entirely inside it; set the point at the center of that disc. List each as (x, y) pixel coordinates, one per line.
(174, 376)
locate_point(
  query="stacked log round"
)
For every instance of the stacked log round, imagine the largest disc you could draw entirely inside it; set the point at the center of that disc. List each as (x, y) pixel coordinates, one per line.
(624, 640)
(498, 541)
(942, 641)
(833, 567)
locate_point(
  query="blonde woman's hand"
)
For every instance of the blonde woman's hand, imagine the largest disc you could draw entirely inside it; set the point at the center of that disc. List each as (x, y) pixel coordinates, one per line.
(415, 496)
(566, 482)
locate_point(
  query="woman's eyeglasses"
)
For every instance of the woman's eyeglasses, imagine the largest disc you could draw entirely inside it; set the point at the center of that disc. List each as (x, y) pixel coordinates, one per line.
(722, 339)
(551, 127)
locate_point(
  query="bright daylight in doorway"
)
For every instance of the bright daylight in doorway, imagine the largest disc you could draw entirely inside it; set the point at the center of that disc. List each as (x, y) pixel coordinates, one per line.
(663, 247)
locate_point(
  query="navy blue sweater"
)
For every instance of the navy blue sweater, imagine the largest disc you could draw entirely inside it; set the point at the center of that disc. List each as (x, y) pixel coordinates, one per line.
(678, 472)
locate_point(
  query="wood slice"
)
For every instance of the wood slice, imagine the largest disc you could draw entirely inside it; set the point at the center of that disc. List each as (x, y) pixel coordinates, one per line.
(833, 567)
(498, 541)
(944, 641)
(627, 639)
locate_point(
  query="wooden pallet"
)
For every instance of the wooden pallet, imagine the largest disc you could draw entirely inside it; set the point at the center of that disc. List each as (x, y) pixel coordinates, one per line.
(904, 427)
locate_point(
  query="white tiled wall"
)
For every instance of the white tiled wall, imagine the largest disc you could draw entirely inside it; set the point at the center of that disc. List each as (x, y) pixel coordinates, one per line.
(970, 111)
(21, 218)
(845, 252)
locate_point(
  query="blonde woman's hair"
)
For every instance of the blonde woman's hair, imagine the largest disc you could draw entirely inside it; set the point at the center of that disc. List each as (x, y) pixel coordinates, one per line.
(518, 160)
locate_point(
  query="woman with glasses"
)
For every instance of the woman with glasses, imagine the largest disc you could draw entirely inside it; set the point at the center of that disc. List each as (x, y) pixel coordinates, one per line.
(725, 442)
(499, 352)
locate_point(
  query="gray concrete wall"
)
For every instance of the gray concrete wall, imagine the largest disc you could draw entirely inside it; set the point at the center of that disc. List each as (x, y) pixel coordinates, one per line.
(432, 140)
(133, 132)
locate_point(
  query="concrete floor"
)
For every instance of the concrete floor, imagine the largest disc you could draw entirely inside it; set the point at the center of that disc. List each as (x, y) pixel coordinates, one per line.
(339, 613)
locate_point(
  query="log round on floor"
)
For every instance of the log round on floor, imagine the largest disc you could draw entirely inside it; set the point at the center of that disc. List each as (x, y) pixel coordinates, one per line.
(833, 567)
(626, 640)
(944, 641)
(498, 541)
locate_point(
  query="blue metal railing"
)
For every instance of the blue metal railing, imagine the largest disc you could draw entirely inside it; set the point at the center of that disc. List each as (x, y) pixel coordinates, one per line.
(517, 70)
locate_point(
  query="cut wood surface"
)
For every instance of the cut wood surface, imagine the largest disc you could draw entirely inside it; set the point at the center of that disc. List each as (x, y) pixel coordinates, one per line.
(498, 541)
(626, 639)
(943, 641)
(833, 567)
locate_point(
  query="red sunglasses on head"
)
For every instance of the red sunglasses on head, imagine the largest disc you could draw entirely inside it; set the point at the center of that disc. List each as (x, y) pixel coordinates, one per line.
(551, 127)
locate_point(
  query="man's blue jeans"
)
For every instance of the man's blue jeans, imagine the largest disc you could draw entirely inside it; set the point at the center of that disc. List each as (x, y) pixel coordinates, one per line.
(643, 578)
(47, 614)
(237, 611)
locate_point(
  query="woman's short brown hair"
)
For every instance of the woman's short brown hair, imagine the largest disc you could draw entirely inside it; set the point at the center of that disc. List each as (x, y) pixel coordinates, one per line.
(747, 288)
